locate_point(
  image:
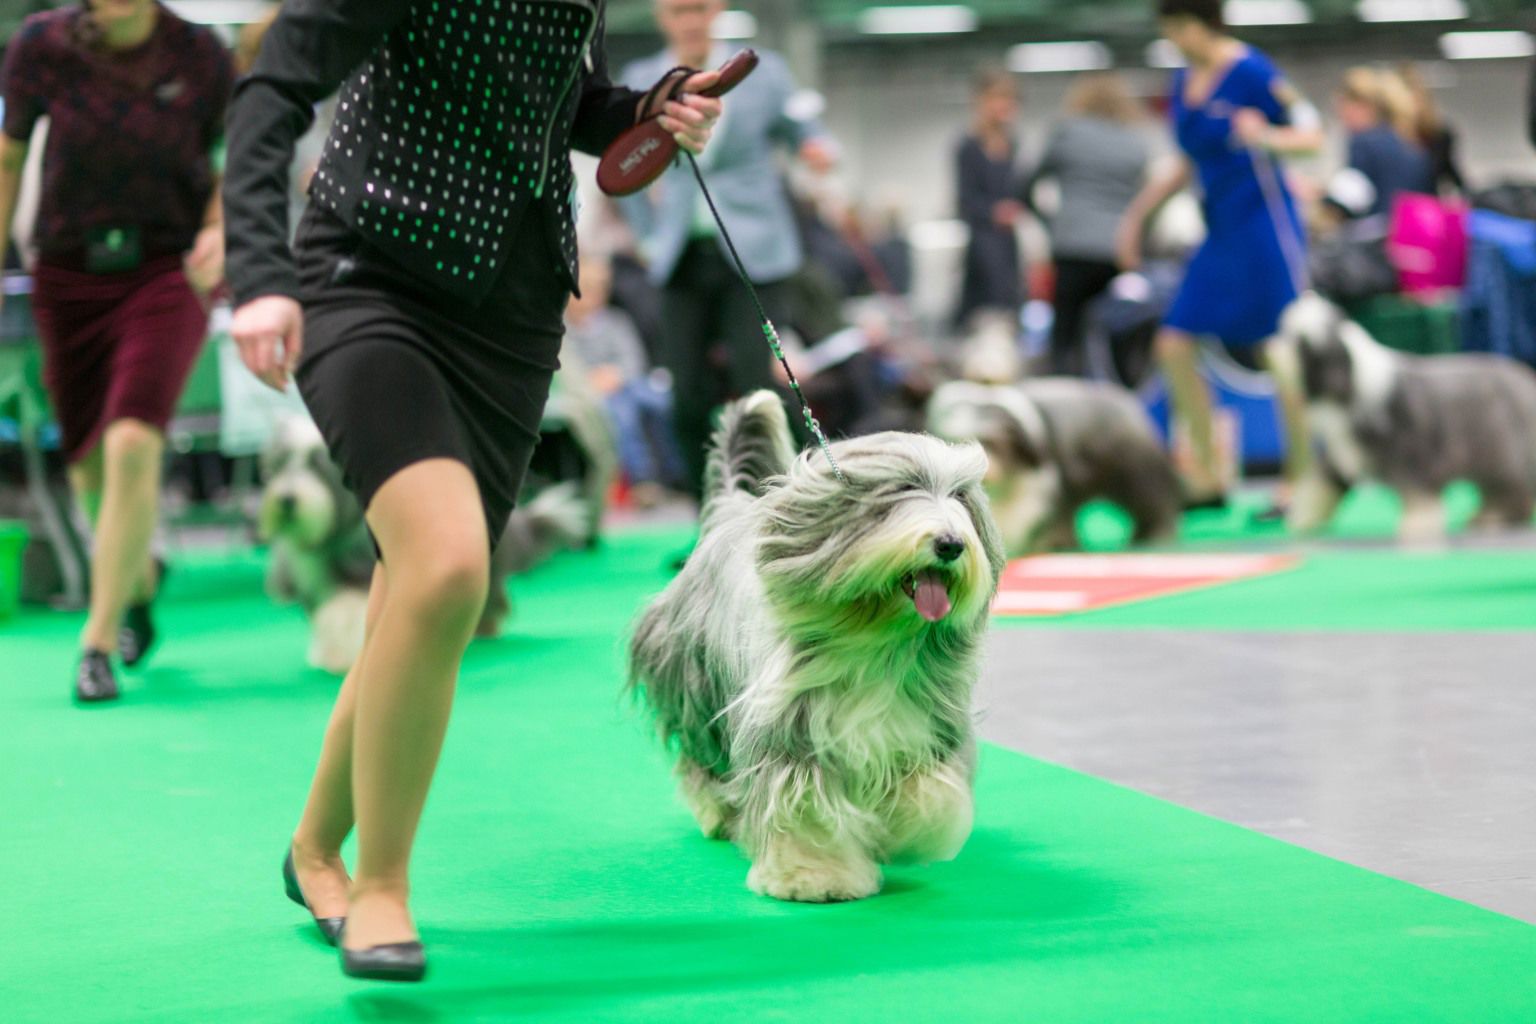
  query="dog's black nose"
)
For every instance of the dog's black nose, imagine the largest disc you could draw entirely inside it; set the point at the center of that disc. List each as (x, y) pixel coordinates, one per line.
(948, 547)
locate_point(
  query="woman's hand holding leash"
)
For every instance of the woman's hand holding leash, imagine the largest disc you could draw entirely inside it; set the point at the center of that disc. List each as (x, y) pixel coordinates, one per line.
(678, 113)
(691, 116)
(270, 333)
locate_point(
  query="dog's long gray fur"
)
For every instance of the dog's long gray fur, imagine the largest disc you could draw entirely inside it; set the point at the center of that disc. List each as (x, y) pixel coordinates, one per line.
(818, 719)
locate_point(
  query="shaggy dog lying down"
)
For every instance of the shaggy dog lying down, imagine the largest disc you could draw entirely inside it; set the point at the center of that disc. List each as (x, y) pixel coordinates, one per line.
(812, 665)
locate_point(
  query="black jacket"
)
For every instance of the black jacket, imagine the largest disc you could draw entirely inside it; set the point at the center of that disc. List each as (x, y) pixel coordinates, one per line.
(455, 118)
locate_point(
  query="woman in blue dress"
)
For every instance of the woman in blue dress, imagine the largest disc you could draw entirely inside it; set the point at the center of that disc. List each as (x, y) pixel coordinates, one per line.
(1234, 115)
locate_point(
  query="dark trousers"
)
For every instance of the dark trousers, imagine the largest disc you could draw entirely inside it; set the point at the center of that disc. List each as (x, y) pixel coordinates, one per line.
(705, 309)
(1078, 283)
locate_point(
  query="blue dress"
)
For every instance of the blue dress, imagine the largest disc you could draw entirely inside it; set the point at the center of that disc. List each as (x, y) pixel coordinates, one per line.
(1253, 260)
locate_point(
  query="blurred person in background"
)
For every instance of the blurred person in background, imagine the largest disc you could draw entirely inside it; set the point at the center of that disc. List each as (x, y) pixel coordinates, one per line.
(1099, 162)
(129, 242)
(987, 199)
(1382, 118)
(1235, 115)
(1434, 132)
(703, 302)
(1530, 107)
(605, 345)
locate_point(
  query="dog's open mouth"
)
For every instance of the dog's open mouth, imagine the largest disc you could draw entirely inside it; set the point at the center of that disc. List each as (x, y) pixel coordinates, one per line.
(929, 592)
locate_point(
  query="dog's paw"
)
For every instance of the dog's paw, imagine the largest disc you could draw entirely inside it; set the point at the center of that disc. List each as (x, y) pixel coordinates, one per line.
(814, 880)
(714, 822)
(702, 793)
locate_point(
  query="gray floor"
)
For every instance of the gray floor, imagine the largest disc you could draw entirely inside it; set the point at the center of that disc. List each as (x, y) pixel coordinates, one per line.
(1410, 755)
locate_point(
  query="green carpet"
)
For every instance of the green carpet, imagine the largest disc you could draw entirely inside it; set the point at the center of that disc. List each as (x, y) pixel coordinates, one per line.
(559, 881)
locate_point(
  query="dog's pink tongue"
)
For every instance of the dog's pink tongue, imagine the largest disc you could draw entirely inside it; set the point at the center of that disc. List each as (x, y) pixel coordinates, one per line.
(931, 597)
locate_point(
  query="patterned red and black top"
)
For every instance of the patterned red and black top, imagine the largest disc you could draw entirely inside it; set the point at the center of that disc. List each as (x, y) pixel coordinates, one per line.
(132, 132)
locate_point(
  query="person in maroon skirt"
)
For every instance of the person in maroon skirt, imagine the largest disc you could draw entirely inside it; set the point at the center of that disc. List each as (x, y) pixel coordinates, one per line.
(129, 242)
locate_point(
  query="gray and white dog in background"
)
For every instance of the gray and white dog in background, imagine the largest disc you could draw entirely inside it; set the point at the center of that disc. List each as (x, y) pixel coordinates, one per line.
(322, 558)
(1414, 423)
(812, 665)
(1055, 444)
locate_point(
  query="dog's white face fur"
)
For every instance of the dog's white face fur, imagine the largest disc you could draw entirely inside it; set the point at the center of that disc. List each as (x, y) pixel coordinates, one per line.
(871, 553)
(303, 499)
(814, 662)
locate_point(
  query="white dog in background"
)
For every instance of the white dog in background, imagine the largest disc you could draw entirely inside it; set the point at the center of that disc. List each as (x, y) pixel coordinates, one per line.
(813, 663)
(1414, 423)
(322, 557)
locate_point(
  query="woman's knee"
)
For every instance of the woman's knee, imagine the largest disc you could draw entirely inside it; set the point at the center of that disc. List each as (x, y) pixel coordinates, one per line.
(1174, 347)
(449, 583)
(133, 445)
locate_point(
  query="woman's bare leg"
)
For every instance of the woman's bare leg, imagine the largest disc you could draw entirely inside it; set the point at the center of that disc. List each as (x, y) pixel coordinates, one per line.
(328, 815)
(431, 528)
(87, 478)
(1280, 359)
(1178, 355)
(130, 495)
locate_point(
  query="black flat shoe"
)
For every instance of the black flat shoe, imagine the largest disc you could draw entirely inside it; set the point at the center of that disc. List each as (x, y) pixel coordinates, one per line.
(330, 927)
(94, 679)
(138, 633)
(396, 961)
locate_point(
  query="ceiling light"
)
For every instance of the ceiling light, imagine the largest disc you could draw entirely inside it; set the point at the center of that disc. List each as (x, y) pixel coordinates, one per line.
(1411, 10)
(1487, 45)
(1266, 12)
(1033, 58)
(220, 12)
(881, 21)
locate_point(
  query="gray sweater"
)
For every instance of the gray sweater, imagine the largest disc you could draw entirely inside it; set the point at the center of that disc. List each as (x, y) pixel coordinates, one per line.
(1099, 166)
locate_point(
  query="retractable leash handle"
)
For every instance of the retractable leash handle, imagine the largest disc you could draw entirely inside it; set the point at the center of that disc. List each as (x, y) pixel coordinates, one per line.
(643, 153)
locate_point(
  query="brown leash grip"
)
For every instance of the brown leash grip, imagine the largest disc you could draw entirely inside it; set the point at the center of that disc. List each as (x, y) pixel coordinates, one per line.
(643, 153)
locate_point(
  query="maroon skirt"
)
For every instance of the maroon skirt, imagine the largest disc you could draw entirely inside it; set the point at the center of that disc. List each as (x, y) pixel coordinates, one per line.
(115, 346)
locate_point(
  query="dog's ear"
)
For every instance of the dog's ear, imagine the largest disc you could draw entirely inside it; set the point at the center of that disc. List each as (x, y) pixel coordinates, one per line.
(1024, 449)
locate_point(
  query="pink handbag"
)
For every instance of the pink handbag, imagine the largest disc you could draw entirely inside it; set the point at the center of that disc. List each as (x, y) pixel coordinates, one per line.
(1428, 243)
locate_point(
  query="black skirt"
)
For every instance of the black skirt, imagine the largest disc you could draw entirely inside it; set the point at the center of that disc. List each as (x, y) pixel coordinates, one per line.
(395, 373)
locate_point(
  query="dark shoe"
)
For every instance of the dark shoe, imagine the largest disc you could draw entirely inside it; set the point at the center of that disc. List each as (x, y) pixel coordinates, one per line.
(396, 961)
(138, 633)
(1209, 503)
(330, 927)
(94, 679)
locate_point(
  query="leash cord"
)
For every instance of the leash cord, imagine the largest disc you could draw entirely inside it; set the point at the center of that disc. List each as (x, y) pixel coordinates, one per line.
(769, 332)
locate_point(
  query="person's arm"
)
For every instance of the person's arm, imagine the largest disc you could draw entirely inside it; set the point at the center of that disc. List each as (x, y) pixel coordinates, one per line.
(805, 136)
(1133, 225)
(1284, 123)
(1048, 167)
(973, 203)
(13, 159)
(25, 82)
(605, 109)
(311, 48)
(204, 263)
(1530, 106)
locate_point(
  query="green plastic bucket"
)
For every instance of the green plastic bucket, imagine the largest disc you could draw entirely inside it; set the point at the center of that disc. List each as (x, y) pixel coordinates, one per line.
(13, 541)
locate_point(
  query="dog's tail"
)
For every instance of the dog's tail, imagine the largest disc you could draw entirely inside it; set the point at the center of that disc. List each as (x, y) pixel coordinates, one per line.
(752, 444)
